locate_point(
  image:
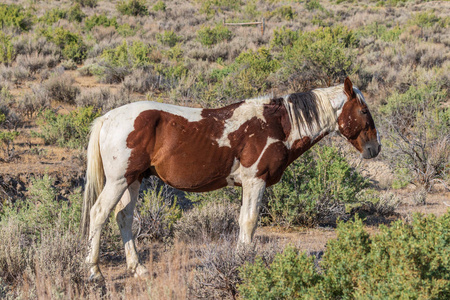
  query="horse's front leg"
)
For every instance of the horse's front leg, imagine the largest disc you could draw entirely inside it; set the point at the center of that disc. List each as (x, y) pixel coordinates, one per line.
(252, 192)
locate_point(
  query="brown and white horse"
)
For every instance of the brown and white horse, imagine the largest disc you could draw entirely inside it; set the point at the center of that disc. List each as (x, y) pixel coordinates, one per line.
(247, 144)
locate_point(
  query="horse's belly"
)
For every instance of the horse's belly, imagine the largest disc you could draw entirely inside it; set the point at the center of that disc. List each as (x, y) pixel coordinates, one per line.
(197, 168)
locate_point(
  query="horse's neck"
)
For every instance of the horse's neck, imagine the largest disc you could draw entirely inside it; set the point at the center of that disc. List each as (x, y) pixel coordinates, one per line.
(304, 137)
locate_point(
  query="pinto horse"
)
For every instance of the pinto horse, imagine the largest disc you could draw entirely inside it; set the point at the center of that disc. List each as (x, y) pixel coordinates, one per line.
(248, 144)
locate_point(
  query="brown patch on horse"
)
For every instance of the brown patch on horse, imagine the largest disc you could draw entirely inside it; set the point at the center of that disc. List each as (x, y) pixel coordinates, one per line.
(273, 163)
(276, 115)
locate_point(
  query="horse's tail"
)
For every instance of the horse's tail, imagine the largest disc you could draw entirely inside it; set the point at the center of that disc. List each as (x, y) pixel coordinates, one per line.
(95, 176)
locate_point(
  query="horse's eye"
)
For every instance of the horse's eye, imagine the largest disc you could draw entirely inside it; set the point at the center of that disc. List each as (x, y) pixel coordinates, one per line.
(364, 111)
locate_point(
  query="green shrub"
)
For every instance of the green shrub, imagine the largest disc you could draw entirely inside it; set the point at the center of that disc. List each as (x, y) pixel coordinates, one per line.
(314, 187)
(13, 16)
(208, 36)
(159, 6)
(75, 14)
(71, 130)
(53, 15)
(99, 20)
(127, 30)
(158, 211)
(285, 12)
(429, 19)
(402, 261)
(290, 276)
(246, 77)
(211, 7)
(71, 44)
(132, 8)
(168, 38)
(382, 32)
(7, 52)
(87, 3)
(323, 56)
(7, 140)
(284, 37)
(134, 55)
(313, 5)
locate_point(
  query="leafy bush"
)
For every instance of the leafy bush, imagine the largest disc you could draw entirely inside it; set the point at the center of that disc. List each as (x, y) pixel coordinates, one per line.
(87, 3)
(320, 57)
(131, 56)
(290, 276)
(132, 8)
(7, 52)
(314, 188)
(53, 15)
(313, 5)
(208, 36)
(71, 44)
(99, 20)
(13, 16)
(382, 32)
(247, 76)
(168, 38)
(285, 12)
(429, 19)
(418, 132)
(158, 213)
(159, 6)
(401, 261)
(310, 192)
(71, 130)
(211, 7)
(7, 140)
(284, 37)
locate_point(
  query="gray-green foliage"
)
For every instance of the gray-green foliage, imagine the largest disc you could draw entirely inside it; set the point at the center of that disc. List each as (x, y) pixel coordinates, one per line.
(40, 235)
(71, 130)
(158, 213)
(418, 132)
(403, 261)
(314, 187)
(323, 56)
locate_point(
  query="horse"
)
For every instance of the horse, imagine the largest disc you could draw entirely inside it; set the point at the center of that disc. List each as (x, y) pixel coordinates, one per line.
(248, 143)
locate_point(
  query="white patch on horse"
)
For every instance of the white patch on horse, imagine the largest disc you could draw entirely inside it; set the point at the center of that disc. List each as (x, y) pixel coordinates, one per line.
(251, 171)
(246, 111)
(235, 173)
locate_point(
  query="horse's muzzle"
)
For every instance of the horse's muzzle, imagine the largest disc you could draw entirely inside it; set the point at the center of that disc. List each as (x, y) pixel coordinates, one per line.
(371, 150)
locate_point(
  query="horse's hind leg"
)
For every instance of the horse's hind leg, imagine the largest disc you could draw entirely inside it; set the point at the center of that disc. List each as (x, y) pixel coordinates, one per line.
(124, 218)
(107, 200)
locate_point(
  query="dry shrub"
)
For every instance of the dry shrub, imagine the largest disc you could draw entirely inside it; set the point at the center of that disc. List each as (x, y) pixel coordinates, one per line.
(157, 212)
(96, 97)
(217, 274)
(12, 260)
(37, 61)
(60, 88)
(59, 256)
(208, 222)
(31, 103)
(142, 81)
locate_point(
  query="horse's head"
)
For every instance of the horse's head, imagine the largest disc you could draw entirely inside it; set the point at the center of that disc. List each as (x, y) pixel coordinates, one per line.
(356, 123)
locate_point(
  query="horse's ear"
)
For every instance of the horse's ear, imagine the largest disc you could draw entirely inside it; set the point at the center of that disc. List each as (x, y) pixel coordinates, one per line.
(348, 88)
